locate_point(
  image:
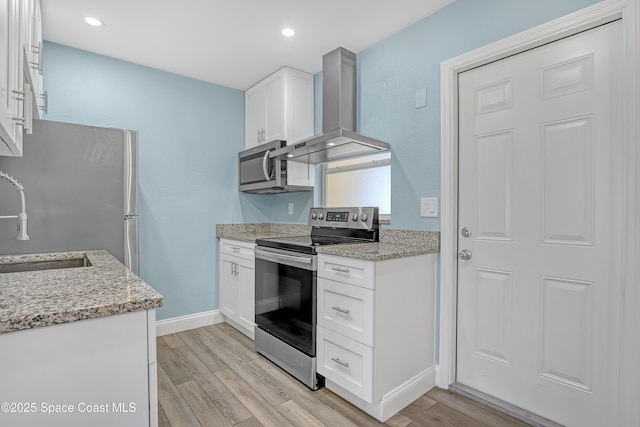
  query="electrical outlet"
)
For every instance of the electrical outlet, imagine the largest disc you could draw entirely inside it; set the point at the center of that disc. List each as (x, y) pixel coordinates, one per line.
(290, 208)
(429, 208)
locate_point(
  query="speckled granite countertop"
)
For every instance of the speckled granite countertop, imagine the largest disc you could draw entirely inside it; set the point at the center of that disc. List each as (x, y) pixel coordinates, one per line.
(251, 232)
(377, 251)
(393, 243)
(35, 299)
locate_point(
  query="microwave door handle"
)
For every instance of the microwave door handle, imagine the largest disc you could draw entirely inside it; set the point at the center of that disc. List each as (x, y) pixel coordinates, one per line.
(265, 159)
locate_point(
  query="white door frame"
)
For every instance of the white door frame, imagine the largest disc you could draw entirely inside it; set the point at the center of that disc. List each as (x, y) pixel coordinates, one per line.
(628, 390)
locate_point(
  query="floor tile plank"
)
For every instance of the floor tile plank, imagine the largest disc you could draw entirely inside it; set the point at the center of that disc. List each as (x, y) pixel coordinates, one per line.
(232, 345)
(251, 422)
(230, 407)
(171, 363)
(201, 405)
(426, 418)
(303, 396)
(172, 340)
(353, 414)
(473, 409)
(267, 389)
(298, 416)
(204, 353)
(260, 408)
(398, 420)
(163, 421)
(176, 409)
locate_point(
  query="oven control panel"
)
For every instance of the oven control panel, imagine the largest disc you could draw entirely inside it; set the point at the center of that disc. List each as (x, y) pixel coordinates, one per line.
(360, 218)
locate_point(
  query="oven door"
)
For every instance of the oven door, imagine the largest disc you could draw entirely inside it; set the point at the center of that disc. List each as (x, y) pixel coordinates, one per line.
(286, 296)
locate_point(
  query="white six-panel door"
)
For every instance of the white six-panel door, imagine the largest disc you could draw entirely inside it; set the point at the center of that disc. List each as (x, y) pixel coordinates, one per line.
(539, 163)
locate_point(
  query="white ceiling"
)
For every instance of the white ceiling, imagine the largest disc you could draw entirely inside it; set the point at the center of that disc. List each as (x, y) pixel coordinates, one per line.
(233, 43)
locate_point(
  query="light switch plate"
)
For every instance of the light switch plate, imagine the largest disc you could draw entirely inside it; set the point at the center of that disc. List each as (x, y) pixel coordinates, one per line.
(290, 208)
(421, 98)
(429, 207)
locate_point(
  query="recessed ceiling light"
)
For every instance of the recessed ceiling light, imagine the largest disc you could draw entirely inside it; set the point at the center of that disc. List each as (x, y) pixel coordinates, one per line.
(288, 32)
(94, 22)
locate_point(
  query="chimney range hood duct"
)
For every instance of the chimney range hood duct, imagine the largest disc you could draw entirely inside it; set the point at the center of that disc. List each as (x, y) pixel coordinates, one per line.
(338, 139)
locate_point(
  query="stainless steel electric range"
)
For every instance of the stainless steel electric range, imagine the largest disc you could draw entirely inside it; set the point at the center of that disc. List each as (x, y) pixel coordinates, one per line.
(286, 270)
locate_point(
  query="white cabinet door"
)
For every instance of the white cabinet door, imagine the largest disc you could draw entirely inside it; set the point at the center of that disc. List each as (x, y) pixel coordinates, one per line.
(246, 293)
(299, 107)
(254, 115)
(274, 123)
(228, 286)
(10, 78)
(237, 285)
(279, 107)
(32, 39)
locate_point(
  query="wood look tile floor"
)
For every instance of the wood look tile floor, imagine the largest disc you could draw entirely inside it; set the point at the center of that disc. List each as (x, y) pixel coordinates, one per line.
(212, 376)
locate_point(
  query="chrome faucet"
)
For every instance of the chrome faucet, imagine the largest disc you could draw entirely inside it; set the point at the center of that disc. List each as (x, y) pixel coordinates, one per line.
(22, 216)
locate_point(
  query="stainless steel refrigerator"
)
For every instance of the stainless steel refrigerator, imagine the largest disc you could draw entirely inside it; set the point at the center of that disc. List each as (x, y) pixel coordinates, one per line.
(81, 190)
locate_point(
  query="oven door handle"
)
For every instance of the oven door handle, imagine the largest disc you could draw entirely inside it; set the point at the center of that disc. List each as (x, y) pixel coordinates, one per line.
(275, 257)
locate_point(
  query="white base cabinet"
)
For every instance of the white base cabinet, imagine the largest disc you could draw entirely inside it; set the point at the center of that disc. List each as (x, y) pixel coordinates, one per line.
(99, 372)
(237, 285)
(376, 330)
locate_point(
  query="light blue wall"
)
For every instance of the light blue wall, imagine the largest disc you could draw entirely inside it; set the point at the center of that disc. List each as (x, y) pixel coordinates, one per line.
(390, 73)
(191, 131)
(190, 134)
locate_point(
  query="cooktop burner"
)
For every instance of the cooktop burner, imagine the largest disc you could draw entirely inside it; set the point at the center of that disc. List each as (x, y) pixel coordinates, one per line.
(331, 226)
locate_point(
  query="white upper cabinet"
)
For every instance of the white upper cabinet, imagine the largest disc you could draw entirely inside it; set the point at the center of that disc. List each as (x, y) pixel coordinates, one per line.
(20, 27)
(279, 107)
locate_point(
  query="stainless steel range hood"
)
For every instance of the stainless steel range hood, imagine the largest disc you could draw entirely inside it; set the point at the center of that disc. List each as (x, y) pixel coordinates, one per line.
(338, 139)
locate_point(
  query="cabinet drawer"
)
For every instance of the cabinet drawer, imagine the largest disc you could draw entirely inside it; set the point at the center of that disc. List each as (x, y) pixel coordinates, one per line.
(237, 248)
(347, 270)
(346, 362)
(346, 309)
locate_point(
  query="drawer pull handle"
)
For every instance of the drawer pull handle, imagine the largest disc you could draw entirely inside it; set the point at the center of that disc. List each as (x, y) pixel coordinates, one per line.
(235, 249)
(340, 269)
(341, 310)
(340, 362)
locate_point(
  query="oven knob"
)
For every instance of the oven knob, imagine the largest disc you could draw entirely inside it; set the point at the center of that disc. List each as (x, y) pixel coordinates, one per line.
(321, 216)
(364, 217)
(354, 217)
(314, 215)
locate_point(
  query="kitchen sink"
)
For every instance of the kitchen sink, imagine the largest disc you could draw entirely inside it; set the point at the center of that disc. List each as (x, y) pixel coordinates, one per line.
(50, 264)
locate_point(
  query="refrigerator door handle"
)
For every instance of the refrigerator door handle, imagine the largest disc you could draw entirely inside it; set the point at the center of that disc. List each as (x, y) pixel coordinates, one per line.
(131, 172)
(131, 242)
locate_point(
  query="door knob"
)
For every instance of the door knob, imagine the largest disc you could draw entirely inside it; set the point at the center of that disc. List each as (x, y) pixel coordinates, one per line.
(465, 254)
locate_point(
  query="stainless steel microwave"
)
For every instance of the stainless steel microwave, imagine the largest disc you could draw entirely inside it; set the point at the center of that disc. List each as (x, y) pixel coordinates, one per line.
(261, 174)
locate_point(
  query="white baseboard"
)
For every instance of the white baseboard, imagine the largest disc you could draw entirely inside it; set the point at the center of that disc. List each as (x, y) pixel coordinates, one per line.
(392, 402)
(190, 321)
